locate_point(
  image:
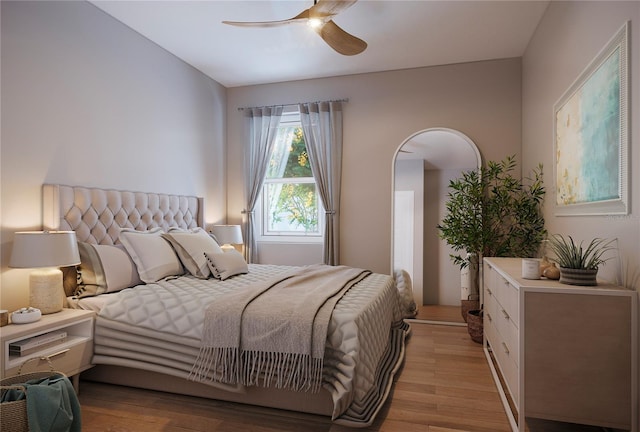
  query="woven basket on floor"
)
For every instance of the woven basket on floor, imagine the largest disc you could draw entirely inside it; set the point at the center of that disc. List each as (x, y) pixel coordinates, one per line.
(13, 415)
(475, 325)
(466, 306)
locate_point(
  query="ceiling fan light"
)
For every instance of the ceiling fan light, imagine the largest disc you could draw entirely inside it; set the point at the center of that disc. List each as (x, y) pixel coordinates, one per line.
(315, 23)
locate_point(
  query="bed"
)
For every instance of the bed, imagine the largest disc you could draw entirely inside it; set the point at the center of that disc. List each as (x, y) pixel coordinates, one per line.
(163, 295)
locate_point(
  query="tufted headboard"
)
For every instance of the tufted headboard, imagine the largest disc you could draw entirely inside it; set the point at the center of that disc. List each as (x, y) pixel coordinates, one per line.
(98, 215)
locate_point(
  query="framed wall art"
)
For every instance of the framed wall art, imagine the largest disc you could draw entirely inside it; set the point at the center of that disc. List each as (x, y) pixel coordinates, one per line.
(591, 136)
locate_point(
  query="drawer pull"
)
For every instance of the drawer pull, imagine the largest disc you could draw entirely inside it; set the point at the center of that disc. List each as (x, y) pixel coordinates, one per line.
(489, 291)
(50, 356)
(506, 315)
(505, 348)
(489, 317)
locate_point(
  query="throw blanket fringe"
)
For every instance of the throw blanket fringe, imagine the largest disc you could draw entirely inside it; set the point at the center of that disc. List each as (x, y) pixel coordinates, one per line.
(267, 369)
(245, 342)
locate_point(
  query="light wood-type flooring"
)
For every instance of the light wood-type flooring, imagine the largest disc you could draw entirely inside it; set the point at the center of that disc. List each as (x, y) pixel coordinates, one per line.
(444, 386)
(449, 314)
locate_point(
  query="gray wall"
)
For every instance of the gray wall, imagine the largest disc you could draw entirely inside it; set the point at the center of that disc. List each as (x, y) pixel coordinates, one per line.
(88, 101)
(481, 100)
(570, 35)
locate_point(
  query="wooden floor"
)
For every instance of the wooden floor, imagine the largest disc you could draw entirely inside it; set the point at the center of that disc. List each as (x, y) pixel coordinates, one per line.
(444, 386)
(450, 314)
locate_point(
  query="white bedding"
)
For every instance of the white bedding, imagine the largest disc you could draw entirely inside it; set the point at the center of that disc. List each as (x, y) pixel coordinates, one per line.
(158, 327)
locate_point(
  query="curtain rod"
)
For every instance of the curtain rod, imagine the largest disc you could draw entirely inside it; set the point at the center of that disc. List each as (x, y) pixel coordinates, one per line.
(292, 104)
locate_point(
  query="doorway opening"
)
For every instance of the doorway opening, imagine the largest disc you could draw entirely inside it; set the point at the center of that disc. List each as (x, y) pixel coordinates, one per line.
(423, 165)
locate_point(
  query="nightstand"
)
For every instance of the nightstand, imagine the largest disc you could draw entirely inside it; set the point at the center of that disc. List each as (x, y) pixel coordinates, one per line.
(69, 356)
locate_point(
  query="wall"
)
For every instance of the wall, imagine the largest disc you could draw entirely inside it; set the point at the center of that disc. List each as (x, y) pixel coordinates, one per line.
(409, 220)
(569, 36)
(482, 100)
(442, 279)
(88, 101)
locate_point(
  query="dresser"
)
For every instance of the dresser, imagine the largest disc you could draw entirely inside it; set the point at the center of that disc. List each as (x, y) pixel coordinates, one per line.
(561, 352)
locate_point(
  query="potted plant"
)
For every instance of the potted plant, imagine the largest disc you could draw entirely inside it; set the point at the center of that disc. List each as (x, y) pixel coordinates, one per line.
(579, 265)
(489, 212)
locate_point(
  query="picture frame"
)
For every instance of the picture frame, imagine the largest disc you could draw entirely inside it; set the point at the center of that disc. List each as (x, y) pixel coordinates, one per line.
(591, 136)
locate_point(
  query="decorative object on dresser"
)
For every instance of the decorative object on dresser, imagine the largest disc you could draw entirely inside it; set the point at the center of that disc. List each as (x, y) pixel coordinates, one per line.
(579, 265)
(551, 362)
(25, 315)
(227, 236)
(492, 213)
(551, 272)
(4, 317)
(45, 250)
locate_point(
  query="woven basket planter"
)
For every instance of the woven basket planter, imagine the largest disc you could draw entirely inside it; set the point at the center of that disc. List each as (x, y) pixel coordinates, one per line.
(582, 277)
(466, 306)
(475, 325)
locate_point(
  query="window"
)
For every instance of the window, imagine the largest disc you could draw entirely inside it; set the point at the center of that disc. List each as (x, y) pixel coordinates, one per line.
(291, 209)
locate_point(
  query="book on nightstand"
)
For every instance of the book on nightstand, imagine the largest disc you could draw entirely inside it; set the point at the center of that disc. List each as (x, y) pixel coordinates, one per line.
(32, 344)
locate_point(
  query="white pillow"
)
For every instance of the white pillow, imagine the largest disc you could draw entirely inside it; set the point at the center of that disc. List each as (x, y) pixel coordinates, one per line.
(104, 269)
(153, 255)
(191, 247)
(226, 264)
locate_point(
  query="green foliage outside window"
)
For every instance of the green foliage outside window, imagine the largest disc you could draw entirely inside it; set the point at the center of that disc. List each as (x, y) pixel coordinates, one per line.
(296, 202)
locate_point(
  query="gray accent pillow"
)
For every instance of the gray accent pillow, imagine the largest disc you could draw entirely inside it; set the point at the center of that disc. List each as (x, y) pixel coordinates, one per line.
(191, 246)
(226, 264)
(104, 269)
(154, 257)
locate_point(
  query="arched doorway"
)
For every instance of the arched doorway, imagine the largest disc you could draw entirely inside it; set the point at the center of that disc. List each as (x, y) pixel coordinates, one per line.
(423, 165)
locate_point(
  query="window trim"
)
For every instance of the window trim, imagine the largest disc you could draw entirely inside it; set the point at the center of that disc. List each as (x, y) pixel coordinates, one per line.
(288, 119)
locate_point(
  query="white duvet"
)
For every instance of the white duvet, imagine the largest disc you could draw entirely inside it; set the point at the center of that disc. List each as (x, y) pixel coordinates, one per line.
(159, 326)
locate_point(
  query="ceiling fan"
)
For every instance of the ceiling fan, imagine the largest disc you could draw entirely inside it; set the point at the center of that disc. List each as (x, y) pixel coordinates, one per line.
(320, 18)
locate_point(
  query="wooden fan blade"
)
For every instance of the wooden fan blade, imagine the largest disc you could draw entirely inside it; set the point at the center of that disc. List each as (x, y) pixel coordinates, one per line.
(302, 17)
(328, 8)
(340, 40)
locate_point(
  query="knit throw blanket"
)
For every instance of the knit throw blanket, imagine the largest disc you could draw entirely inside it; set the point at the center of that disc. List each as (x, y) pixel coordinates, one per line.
(273, 333)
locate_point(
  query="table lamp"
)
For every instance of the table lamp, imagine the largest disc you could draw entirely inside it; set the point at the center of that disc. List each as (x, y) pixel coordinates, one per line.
(45, 251)
(227, 235)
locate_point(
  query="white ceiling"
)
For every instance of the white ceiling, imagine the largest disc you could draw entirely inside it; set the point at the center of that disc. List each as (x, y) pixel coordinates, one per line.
(400, 34)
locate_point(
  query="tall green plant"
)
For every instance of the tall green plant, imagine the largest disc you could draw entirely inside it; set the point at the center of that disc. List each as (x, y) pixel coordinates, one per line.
(492, 213)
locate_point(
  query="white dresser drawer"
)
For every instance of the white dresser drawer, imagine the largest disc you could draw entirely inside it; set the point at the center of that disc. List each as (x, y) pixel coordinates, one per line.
(506, 296)
(490, 303)
(489, 275)
(509, 334)
(490, 332)
(508, 368)
(510, 303)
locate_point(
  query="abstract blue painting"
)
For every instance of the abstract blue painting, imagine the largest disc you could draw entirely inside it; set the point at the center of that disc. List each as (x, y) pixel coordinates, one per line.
(590, 137)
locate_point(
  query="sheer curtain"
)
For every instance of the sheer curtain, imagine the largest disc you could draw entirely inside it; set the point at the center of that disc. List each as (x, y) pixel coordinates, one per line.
(322, 128)
(263, 129)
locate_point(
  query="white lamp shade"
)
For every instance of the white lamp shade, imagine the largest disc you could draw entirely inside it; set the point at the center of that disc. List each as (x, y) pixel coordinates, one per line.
(33, 249)
(227, 234)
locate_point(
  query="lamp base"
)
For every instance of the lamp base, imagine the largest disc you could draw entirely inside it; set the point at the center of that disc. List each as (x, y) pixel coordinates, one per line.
(46, 292)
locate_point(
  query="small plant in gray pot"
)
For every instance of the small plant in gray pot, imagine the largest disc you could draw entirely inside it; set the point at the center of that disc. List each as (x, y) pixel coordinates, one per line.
(578, 264)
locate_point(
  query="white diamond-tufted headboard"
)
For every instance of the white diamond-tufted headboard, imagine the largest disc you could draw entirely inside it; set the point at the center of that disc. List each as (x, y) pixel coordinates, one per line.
(98, 215)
